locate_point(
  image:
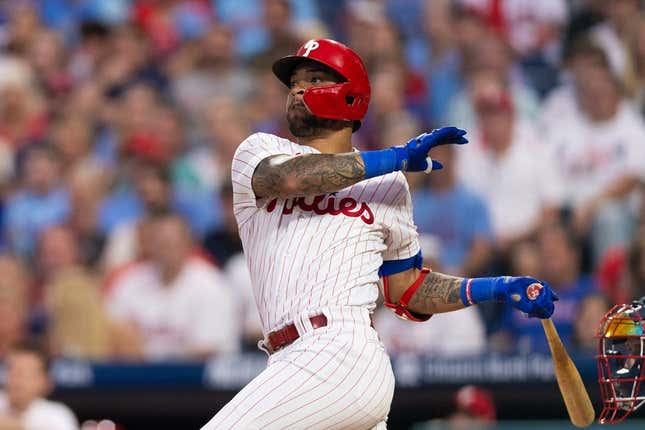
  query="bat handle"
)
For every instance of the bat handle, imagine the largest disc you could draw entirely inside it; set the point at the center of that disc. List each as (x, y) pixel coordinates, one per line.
(550, 332)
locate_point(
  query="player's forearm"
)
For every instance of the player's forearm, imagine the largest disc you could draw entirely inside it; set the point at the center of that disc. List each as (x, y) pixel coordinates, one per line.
(438, 293)
(309, 174)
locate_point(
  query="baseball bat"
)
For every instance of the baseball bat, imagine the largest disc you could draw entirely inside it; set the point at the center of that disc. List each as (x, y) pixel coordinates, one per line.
(573, 391)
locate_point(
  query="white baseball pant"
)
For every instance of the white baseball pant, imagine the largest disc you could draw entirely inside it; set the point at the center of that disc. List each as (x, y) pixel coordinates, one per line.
(331, 378)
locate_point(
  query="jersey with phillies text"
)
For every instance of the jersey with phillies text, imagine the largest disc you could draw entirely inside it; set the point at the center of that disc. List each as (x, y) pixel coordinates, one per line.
(306, 253)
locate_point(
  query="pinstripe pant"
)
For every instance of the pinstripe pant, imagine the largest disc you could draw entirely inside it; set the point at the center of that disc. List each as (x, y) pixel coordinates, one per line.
(334, 377)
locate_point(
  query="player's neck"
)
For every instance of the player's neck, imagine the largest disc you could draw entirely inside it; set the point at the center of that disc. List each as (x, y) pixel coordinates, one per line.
(333, 142)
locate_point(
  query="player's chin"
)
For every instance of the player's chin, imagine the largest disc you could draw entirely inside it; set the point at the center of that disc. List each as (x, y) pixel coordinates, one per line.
(300, 129)
(300, 123)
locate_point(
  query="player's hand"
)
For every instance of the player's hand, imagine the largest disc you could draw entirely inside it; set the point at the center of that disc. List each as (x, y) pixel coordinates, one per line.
(533, 297)
(413, 155)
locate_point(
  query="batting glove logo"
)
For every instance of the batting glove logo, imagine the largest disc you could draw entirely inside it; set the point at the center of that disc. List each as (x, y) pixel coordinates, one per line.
(533, 291)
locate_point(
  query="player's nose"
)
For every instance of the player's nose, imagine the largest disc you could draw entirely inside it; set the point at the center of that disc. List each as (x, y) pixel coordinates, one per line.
(297, 91)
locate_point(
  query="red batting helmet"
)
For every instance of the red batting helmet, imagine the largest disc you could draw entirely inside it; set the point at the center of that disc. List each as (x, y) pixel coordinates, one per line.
(346, 100)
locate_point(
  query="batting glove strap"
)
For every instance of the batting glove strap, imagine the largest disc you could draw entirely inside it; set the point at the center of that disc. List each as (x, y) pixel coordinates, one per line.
(382, 162)
(477, 290)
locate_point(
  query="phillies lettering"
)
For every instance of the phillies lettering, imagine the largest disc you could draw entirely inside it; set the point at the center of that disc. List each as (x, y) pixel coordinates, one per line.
(346, 206)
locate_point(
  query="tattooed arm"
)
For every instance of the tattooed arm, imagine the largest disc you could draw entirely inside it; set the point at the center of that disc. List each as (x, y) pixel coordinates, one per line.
(310, 174)
(438, 292)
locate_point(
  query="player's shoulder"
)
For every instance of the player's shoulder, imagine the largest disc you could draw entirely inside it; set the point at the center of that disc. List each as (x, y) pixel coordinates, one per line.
(392, 187)
(266, 142)
(396, 180)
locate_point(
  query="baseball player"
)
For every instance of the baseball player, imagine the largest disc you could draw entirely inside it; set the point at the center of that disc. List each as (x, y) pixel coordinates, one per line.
(323, 226)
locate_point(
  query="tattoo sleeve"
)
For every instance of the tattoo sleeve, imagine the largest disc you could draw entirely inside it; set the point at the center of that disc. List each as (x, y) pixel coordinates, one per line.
(438, 293)
(310, 174)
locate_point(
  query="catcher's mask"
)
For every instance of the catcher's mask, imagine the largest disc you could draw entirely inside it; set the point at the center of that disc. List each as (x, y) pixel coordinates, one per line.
(621, 359)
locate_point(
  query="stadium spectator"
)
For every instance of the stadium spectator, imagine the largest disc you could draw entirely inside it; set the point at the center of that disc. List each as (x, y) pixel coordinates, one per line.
(209, 70)
(613, 34)
(40, 202)
(22, 27)
(621, 272)
(206, 167)
(224, 242)
(596, 144)
(23, 404)
(176, 299)
(70, 304)
(474, 409)
(591, 310)
(265, 109)
(281, 33)
(388, 105)
(581, 55)
(86, 192)
(561, 268)
(455, 215)
(46, 55)
(152, 191)
(532, 29)
(78, 323)
(504, 160)
(636, 266)
(439, 56)
(23, 116)
(72, 136)
(57, 251)
(168, 24)
(638, 55)
(490, 54)
(14, 303)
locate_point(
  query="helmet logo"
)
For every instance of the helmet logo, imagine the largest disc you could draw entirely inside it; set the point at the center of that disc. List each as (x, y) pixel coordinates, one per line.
(310, 46)
(533, 291)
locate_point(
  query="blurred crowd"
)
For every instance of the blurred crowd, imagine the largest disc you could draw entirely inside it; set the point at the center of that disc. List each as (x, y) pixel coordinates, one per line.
(119, 118)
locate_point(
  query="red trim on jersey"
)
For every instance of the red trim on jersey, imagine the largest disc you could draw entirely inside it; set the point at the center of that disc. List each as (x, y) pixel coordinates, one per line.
(401, 308)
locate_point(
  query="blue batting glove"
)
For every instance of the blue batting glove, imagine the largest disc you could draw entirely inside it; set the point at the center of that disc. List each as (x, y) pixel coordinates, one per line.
(529, 295)
(413, 156)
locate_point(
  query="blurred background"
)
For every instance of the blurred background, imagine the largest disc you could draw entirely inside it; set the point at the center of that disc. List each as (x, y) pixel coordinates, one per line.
(120, 260)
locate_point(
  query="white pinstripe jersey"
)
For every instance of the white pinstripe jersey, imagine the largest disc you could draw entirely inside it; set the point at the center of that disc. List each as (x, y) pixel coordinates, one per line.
(325, 251)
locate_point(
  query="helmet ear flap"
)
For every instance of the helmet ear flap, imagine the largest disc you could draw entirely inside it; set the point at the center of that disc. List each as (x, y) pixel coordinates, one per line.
(337, 101)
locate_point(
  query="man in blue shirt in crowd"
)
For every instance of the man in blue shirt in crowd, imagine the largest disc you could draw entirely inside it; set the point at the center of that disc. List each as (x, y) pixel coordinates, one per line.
(42, 200)
(457, 217)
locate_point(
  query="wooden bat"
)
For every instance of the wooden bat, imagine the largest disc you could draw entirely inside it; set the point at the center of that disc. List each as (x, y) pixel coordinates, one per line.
(573, 391)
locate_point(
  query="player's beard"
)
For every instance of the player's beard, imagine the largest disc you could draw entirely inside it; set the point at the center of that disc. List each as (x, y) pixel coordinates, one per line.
(304, 124)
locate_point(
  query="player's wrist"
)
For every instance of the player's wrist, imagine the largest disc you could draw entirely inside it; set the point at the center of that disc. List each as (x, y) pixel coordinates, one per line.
(477, 290)
(384, 161)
